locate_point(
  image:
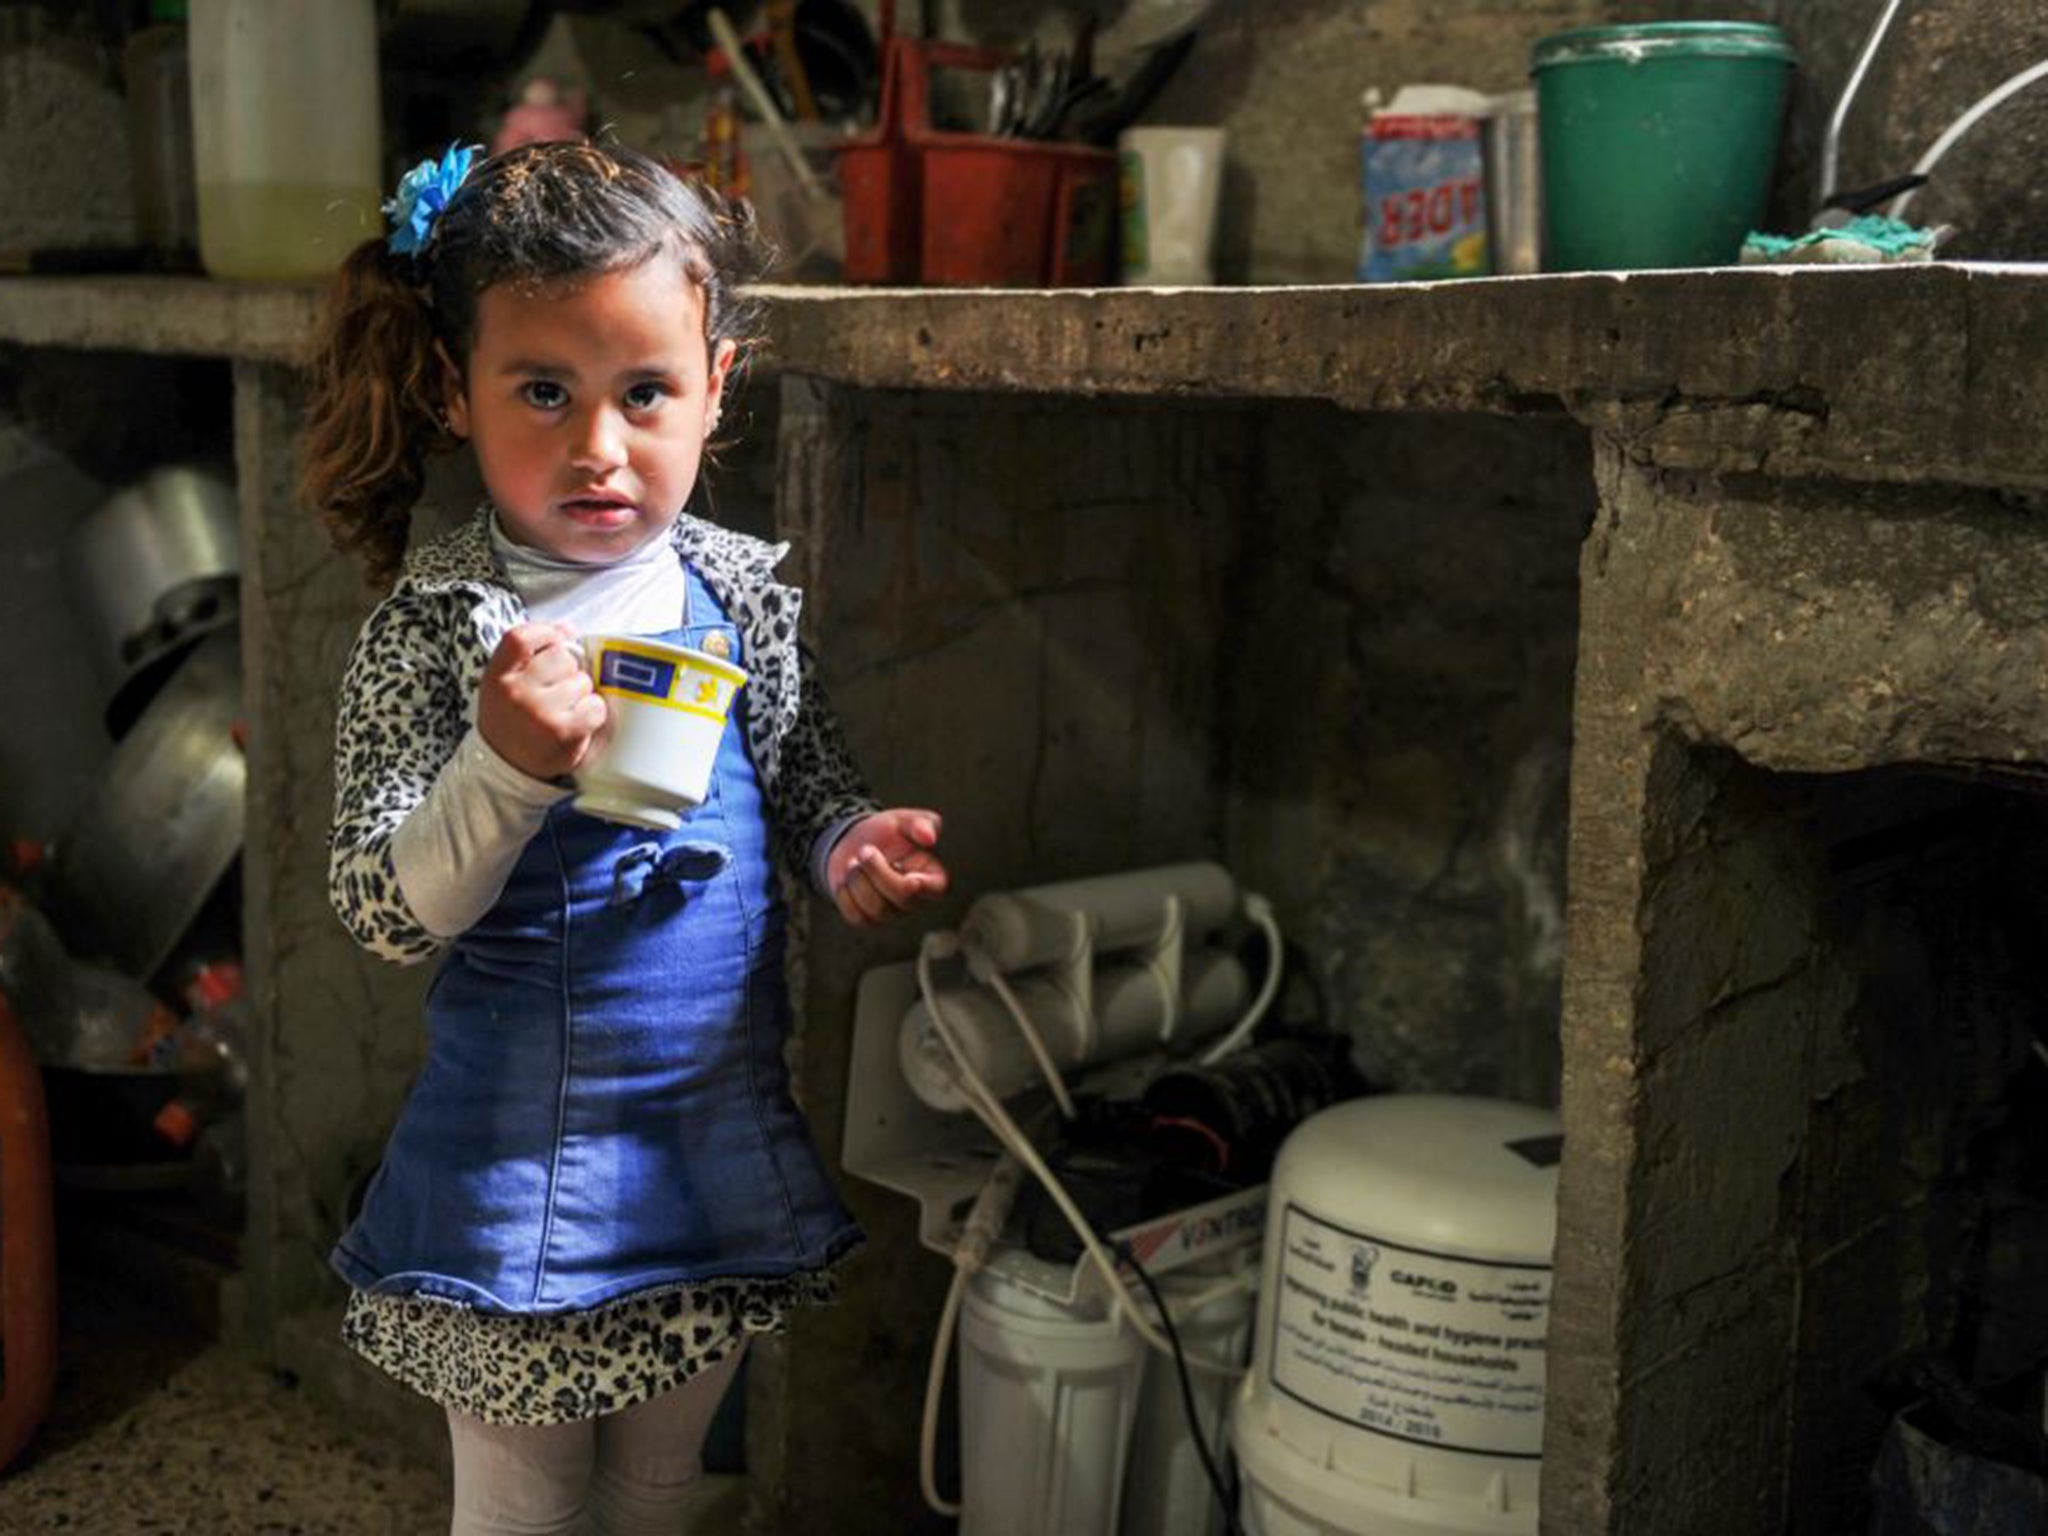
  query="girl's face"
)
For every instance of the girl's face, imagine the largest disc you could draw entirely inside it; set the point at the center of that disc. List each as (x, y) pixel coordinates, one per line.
(587, 406)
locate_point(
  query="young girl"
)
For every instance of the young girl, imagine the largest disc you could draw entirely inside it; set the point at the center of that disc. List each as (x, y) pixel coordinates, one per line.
(599, 1186)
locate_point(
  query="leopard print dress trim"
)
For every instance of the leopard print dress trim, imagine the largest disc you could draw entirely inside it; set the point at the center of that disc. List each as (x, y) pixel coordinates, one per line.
(556, 1369)
(408, 696)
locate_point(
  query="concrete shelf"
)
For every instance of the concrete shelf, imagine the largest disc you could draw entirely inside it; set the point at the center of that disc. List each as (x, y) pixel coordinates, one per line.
(1870, 373)
(186, 316)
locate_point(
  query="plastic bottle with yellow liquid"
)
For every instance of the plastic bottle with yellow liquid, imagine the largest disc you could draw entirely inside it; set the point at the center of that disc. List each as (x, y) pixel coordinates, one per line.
(284, 133)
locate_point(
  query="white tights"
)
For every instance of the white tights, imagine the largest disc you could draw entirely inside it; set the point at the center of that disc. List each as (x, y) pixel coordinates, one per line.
(629, 1473)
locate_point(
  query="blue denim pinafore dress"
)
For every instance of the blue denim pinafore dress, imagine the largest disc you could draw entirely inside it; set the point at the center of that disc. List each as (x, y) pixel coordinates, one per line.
(604, 1106)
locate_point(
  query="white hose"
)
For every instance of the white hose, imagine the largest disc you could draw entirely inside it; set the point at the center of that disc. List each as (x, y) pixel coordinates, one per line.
(1962, 125)
(1831, 142)
(977, 1234)
(934, 1384)
(1260, 911)
(992, 978)
(1013, 1140)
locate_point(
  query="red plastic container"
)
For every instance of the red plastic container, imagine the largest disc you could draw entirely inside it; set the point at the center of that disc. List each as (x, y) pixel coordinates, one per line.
(28, 1243)
(970, 209)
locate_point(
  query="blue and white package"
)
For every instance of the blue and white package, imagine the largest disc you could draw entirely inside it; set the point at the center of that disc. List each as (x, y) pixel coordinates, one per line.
(1424, 186)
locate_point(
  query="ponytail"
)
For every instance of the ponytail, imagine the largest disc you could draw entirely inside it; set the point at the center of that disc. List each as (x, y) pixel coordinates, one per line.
(373, 411)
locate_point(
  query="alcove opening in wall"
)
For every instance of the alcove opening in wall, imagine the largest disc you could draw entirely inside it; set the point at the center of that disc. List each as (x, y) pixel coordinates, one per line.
(1850, 970)
(121, 781)
(1331, 649)
(74, 428)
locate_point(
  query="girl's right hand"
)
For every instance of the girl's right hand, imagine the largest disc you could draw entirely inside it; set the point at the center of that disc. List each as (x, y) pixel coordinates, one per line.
(536, 706)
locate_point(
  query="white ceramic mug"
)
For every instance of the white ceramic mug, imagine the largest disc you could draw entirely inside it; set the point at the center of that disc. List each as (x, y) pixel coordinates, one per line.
(665, 711)
(1171, 181)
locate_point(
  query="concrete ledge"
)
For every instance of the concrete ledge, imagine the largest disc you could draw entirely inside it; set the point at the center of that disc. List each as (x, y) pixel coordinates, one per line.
(190, 316)
(1869, 373)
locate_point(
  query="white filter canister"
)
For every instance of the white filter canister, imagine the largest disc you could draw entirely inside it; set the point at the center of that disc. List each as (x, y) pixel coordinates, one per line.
(1166, 1488)
(1048, 1395)
(1397, 1381)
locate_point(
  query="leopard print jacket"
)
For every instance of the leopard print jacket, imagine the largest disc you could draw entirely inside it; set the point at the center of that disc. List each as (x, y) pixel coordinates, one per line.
(409, 695)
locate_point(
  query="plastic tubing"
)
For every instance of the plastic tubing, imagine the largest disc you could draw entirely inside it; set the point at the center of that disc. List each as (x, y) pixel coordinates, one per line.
(1986, 104)
(1831, 143)
(934, 1385)
(1053, 1079)
(1260, 911)
(983, 1223)
(1013, 1140)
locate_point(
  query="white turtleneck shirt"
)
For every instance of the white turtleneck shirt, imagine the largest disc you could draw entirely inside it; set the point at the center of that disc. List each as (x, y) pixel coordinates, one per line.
(454, 853)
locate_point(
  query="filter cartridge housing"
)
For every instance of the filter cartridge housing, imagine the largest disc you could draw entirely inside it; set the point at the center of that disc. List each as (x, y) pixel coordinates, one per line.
(1397, 1381)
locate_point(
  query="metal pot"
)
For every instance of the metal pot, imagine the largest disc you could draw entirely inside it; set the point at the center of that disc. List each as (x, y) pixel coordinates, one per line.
(153, 569)
(161, 824)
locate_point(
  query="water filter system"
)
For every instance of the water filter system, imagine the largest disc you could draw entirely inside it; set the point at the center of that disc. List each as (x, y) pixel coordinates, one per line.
(1388, 1271)
(1073, 1419)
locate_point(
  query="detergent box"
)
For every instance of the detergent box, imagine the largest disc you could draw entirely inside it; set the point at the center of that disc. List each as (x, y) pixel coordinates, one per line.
(1424, 186)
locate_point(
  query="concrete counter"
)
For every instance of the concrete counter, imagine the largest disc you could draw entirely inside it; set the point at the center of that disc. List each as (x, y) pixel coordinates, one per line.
(1870, 373)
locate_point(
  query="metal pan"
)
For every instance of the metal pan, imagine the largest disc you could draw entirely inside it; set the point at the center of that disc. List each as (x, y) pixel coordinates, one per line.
(162, 823)
(152, 570)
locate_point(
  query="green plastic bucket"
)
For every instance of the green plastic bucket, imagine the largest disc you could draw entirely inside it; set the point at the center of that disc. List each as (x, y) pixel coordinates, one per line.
(1657, 141)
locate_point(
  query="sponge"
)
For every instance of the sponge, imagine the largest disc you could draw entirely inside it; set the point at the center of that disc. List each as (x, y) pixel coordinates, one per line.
(1869, 238)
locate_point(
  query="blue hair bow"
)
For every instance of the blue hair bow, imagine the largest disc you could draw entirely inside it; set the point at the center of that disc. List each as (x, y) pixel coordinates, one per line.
(422, 196)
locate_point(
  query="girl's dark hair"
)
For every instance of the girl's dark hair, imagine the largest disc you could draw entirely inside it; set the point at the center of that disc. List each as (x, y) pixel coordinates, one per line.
(536, 215)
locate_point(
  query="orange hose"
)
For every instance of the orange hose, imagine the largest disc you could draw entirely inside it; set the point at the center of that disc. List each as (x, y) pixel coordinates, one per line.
(28, 1243)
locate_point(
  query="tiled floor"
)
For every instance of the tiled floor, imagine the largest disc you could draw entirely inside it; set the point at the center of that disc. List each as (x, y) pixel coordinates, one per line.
(155, 1429)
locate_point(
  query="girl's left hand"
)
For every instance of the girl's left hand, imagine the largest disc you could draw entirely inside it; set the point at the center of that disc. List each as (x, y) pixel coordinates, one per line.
(884, 865)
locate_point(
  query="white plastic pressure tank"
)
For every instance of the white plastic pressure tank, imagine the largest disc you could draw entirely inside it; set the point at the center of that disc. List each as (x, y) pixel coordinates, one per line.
(1397, 1377)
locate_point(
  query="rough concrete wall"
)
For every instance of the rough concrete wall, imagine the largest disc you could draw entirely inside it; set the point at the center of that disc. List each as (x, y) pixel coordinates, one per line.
(1860, 626)
(1714, 1223)
(1020, 608)
(1402, 642)
(1723, 1051)
(64, 156)
(1939, 57)
(1617, 1289)
(339, 1033)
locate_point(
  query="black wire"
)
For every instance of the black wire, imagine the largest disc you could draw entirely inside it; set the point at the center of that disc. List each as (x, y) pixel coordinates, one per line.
(1187, 1396)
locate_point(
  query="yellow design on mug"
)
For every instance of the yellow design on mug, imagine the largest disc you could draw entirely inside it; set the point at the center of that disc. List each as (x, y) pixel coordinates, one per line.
(699, 684)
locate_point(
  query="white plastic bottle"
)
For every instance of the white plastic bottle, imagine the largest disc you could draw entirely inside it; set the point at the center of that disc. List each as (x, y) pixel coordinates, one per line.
(284, 134)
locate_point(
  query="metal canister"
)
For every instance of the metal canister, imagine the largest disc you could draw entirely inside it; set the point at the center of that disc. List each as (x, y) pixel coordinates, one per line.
(1514, 184)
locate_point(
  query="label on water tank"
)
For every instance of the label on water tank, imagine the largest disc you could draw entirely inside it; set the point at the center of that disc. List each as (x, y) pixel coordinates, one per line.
(1426, 1347)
